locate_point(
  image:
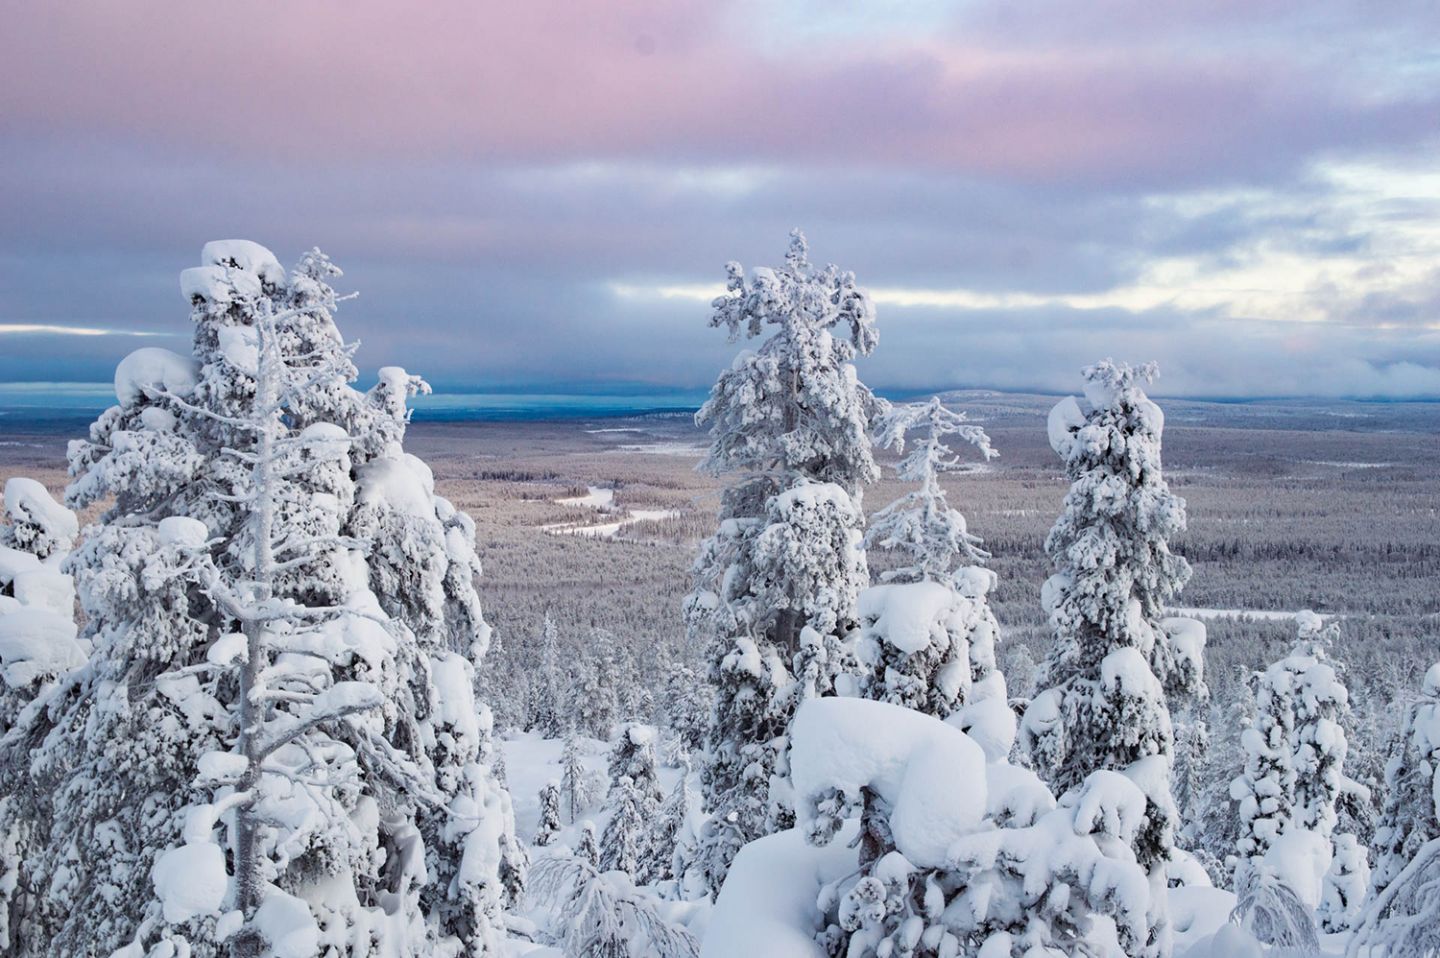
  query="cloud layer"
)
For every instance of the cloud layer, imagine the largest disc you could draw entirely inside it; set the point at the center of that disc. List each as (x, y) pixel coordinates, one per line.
(542, 192)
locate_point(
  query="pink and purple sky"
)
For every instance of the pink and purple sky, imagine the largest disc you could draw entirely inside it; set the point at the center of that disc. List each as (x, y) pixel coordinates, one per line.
(545, 193)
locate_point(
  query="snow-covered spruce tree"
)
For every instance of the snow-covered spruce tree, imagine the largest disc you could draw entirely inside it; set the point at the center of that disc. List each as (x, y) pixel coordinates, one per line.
(666, 831)
(1104, 687)
(246, 673)
(633, 758)
(587, 849)
(547, 706)
(575, 783)
(592, 703)
(1322, 704)
(789, 425)
(1295, 749)
(37, 599)
(688, 702)
(549, 825)
(1265, 789)
(928, 644)
(1346, 884)
(622, 844)
(1410, 818)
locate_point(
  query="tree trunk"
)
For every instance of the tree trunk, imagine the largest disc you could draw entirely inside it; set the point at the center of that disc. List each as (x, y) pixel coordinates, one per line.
(249, 942)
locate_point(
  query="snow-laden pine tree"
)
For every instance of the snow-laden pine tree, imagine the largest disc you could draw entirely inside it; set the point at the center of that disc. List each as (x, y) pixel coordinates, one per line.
(1401, 919)
(1104, 687)
(1322, 704)
(775, 587)
(37, 598)
(1265, 789)
(927, 644)
(275, 738)
(928, 640)
(549, 825)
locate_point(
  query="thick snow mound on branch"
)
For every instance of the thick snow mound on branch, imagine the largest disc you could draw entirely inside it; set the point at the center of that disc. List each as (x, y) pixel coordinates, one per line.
(218, 285)
(240, 347)
(190, 880)
(906, 614)
(46, 589)
(812, 495)
(989, 721)
(13, 562)
(288, 925)
(907, 757)
(1197, 912)
(326, 442)
(767, 907)
(184, 532)
(28, 501)
(35, 643)
(1300, 858)
(396, 485)
(1064, 419)
(153, 367)
(1187, 639)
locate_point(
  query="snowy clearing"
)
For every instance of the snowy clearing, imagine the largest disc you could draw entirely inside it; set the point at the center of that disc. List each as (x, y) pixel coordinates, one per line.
(1257, 615)
(663, 449)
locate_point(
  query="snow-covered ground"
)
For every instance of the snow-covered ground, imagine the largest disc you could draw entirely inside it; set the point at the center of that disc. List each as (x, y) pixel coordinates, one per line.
(664, 449)
(597, 497)
(1258, 615)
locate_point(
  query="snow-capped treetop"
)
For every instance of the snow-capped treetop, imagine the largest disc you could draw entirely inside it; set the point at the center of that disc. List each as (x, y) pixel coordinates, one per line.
(931, 454)
(794, 406)
(244, 255)
(829, 295)
(393, 387)
(921, 525)
(38, 524)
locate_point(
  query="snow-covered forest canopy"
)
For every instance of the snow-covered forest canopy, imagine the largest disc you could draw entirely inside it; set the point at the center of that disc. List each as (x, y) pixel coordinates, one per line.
(250, 704)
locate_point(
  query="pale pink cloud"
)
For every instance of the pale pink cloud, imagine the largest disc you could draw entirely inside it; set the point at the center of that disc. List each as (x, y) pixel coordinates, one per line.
(547, 81)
